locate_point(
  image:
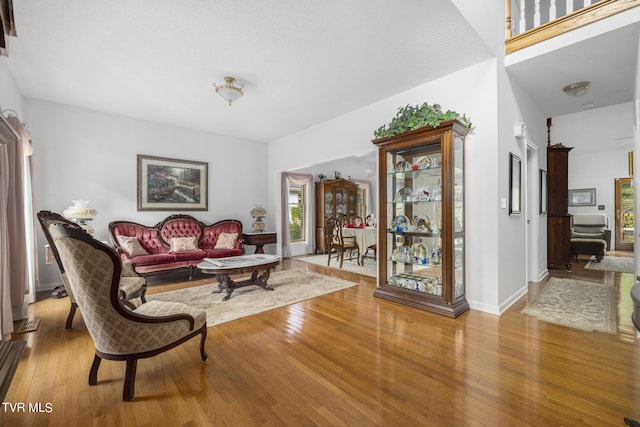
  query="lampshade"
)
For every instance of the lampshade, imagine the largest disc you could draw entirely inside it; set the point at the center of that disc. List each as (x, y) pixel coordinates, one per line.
(229, 91)
(576, 89)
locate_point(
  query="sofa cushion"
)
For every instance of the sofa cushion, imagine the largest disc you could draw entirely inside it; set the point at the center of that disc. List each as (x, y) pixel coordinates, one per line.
(152, 259)
(226, 241)
(195, 255)
(131, 246)
(222, 253)
(180, 244)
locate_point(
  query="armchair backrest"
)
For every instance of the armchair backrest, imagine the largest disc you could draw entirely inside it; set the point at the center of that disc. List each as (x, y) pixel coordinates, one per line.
(591, 226)
(590, 220)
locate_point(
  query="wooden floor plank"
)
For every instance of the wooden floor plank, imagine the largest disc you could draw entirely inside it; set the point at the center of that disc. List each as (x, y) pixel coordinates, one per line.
(345, 358)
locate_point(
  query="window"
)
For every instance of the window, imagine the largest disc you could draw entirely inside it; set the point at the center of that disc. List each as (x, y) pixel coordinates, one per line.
(297, 212)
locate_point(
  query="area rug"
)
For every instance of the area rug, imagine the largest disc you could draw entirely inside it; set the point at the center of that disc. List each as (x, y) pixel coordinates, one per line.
(620, 264)
(579, 304)
(368, 269)
(10, 354)
(290, 286)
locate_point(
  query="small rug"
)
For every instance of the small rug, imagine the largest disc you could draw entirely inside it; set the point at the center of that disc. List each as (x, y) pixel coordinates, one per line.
(579, 304)
(10, 354)
(619, 264)
(290, 286)
(368, 269)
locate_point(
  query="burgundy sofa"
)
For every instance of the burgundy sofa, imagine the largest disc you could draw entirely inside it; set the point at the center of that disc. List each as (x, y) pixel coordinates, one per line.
(193, 241)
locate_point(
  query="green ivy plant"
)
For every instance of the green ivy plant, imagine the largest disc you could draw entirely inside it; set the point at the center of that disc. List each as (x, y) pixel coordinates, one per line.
(410, 118)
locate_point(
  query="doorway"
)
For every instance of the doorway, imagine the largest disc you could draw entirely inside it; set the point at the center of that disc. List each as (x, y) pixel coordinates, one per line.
(625, 215)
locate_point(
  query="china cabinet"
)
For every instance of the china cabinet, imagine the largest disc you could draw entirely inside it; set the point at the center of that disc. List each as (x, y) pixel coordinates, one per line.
(421, 219)
(334, 197)
(558, 218)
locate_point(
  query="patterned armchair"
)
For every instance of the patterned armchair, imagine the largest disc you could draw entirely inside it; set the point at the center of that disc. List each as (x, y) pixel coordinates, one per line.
(131, 285)
(93, 271)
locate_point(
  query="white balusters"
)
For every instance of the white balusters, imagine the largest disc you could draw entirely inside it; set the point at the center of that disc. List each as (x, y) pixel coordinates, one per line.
(569, 6)
(587, 3)
(522, 26)
(536, 14)
(553, 12)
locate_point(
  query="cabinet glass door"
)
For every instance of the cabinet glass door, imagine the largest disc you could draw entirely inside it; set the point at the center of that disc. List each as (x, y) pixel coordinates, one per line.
(414, 208)
(458, 216)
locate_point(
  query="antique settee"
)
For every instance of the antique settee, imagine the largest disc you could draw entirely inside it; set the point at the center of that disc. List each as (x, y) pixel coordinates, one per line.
(179, 242)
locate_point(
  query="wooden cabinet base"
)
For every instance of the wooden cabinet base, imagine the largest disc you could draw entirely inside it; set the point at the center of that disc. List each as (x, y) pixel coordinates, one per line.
(433, 303)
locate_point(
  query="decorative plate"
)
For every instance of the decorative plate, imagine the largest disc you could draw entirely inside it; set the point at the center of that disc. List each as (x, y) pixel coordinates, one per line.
(423, 222)
(400, 223)
(419, 252)
(424, 163)
(424, 193)
(338, 197)
(404, 194)
(328, 197)
(402, 166)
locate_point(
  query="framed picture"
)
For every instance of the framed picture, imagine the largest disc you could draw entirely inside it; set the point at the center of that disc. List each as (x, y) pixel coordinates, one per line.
(515, 184)
(582, 197)
(171, 184)
(544, 180)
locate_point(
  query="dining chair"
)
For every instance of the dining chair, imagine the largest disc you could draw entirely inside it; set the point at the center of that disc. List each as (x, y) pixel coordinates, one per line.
(94, 272)
(336, 241)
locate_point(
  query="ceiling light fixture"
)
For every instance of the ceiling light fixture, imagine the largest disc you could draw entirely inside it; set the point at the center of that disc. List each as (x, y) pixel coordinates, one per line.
(229, 91)
(576, 89)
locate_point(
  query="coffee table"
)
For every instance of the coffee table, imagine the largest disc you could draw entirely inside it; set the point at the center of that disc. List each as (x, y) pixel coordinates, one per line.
(223, 268)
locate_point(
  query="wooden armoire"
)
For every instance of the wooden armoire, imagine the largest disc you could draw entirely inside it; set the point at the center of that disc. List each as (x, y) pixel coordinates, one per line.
(558, 218)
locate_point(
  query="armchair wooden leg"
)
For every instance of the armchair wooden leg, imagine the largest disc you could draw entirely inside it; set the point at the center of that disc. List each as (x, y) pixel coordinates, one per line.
(93, 373)
(203, 337)
(72, 312)
(129, 379)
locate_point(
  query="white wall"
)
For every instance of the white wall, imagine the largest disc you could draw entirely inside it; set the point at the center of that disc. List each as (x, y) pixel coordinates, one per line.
(471, 91)
(10, 97)
(84, 154)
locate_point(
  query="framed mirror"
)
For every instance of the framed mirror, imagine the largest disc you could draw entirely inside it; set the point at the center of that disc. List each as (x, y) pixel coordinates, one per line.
(544, 179)
(515, 185)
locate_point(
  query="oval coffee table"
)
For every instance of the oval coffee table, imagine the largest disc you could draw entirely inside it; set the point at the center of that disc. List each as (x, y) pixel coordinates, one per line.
(254, 263)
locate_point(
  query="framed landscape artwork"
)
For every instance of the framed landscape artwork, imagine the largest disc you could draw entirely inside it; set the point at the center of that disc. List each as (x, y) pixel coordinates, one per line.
(582, 197)
(172, 184)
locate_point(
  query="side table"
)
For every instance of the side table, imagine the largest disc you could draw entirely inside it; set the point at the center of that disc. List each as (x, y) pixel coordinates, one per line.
(259, 240)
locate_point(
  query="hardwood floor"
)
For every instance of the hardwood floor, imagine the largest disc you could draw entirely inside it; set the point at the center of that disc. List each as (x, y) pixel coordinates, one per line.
(345, 358)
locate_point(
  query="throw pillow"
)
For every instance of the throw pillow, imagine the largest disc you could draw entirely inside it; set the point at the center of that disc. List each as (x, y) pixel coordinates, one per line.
(226, 241)
(131, 246)
(179, 244)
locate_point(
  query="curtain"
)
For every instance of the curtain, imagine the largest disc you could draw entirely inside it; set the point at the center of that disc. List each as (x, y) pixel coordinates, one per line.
(17, 242)
(289, 178)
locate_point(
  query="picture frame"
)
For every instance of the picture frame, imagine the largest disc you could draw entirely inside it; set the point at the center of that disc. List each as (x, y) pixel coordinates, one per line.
(515, 184)
(544, 192)
(582, 197)
(166, 184)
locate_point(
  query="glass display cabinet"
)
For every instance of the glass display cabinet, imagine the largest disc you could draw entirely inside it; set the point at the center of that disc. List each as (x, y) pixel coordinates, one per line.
(421, 219)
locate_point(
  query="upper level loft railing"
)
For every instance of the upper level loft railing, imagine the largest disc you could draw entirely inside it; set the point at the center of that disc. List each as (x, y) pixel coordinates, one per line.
(533, 21)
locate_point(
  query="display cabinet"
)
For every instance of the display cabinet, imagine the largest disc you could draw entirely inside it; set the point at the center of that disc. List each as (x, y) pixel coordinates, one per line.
(334, 197)
(421, 243)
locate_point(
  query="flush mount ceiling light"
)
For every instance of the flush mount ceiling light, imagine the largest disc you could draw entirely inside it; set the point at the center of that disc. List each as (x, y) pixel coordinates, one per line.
(576, 89)
(229, 91)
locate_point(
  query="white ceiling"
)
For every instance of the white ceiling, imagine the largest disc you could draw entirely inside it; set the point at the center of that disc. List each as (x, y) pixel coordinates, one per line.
(300, 62)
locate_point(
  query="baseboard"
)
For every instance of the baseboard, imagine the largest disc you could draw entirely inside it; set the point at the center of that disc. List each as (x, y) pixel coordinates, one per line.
(48, 287)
